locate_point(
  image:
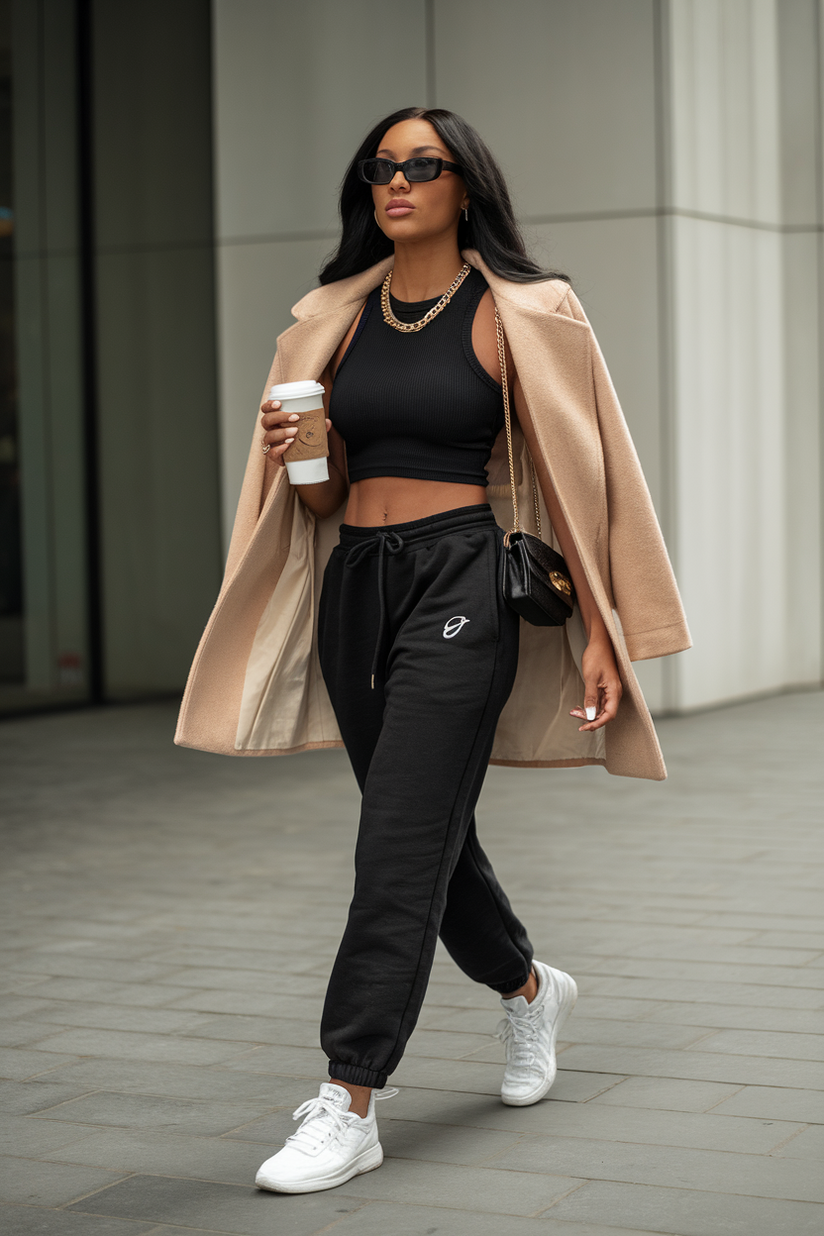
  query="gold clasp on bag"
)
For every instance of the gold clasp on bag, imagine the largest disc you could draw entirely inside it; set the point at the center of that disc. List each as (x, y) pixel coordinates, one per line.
(560, 582)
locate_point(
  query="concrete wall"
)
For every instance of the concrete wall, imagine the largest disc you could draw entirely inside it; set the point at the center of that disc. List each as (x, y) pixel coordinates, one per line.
(154, 561)
(155, 338)
(295, 88)
(667, 155)
(47, 279)
(744, 190)
(573, 123)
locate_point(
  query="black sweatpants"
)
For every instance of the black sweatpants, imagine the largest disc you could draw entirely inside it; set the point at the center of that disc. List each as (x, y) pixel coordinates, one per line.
(416, 609)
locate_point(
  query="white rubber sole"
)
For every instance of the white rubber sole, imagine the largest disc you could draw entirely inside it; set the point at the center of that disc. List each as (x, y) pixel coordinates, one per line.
(568, 1002)
(365, 1162)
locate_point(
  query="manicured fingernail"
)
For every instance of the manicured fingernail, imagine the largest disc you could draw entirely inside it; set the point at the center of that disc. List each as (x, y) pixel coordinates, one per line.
(590, 711)
(294, 417)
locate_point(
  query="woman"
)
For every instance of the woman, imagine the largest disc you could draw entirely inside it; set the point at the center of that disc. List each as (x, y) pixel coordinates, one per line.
(417, 651)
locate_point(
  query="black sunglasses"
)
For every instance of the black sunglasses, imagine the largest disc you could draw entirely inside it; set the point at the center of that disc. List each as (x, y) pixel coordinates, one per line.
(382, 171)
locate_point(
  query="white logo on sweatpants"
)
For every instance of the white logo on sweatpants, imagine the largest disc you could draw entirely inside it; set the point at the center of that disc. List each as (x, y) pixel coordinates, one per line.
(454, 626)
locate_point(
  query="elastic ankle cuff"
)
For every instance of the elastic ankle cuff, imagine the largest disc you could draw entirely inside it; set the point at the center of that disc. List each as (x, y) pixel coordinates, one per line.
(506, 989)
(355, 1075)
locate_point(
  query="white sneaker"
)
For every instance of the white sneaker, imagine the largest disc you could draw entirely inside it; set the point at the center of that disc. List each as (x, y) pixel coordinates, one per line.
(529, 1032)
(331, 1146)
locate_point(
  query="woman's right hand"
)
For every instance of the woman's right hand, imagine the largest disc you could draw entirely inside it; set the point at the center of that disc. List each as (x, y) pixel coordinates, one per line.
(278, 429)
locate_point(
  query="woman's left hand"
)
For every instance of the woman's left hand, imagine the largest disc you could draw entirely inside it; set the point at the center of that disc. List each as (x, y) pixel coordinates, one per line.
(602, 685)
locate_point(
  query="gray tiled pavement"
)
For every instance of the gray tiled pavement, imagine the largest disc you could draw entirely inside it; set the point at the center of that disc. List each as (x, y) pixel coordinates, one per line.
(170, 919)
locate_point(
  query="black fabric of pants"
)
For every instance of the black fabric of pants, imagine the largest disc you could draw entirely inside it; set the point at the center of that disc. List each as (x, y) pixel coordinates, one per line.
(418, 606)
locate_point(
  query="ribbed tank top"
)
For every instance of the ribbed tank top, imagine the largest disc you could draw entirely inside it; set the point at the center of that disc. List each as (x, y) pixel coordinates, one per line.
(420, 404)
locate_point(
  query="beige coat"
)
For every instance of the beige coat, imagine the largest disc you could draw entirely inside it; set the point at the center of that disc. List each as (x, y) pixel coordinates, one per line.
(255, 686)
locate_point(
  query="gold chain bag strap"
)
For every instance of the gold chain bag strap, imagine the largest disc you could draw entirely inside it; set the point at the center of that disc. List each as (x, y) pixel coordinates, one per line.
(535, 579)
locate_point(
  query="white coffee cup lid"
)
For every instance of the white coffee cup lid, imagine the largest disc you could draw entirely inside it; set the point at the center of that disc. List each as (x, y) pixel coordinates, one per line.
(295, 390)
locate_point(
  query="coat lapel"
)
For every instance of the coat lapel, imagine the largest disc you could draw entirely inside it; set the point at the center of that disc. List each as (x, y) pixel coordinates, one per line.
(556, 380)
(551, 352)
(303, 352)
(324, 316)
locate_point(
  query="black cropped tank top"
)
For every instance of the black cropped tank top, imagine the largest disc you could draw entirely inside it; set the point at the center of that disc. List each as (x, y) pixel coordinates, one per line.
(419, 404)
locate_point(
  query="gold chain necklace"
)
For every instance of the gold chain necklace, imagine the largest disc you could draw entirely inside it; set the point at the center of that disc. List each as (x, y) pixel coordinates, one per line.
(408, 327)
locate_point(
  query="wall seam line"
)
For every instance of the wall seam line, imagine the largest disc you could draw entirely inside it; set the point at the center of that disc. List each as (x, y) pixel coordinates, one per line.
(429, 51)
(664, 280)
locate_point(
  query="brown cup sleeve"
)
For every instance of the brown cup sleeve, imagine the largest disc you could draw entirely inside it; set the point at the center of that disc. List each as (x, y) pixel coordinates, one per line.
(310, 441)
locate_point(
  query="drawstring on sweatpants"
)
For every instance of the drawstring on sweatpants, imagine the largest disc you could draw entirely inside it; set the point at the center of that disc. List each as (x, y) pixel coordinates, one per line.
(387, 542)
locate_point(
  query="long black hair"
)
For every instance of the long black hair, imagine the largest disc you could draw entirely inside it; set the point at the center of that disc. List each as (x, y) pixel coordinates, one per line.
(491, 228)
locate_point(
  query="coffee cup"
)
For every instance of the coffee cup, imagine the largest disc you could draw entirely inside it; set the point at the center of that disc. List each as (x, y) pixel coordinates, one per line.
(306, 457)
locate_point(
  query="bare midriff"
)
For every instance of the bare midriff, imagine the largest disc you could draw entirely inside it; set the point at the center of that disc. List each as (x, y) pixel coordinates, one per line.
(399, 500)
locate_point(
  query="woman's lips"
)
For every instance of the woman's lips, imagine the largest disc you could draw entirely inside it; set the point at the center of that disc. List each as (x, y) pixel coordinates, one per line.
(397, 209)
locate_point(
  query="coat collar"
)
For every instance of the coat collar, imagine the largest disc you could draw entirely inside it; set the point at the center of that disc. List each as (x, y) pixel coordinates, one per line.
(333, 296)
(545, 297)
(325, 315)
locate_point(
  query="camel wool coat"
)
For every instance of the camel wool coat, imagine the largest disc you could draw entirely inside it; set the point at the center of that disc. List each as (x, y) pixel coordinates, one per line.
(255, 687)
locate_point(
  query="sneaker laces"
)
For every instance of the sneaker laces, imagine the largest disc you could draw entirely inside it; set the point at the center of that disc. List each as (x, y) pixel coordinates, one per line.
(313, 1134)
(518, 1032)
(322, 1121)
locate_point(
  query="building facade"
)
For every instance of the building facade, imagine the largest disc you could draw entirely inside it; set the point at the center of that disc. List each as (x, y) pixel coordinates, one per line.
(171, 192)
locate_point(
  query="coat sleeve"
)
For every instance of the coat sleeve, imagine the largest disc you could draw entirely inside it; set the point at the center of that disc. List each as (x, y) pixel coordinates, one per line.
(259, 475)
(643, 584)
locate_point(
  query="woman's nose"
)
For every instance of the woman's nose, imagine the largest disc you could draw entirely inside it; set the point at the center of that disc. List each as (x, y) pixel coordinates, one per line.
(399, 181)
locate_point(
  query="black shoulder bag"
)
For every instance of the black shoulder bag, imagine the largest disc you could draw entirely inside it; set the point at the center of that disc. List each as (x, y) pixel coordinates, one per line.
(535, 579)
